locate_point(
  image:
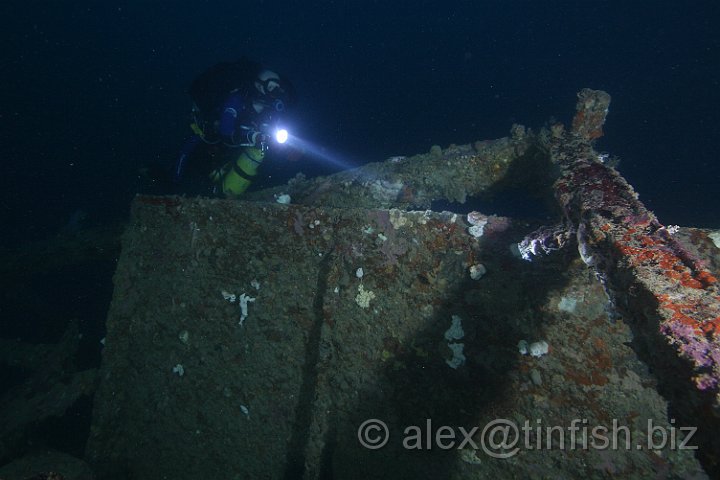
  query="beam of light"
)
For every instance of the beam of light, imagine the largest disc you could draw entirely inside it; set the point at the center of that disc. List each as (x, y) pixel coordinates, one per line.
(321, 154)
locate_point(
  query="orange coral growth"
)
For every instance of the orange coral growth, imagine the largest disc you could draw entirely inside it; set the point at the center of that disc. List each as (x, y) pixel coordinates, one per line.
(706, 278)
(670, 264)
(682, 312)
(712, 327)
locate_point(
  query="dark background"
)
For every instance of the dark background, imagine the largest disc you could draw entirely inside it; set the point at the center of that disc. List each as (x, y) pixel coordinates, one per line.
(94, 91)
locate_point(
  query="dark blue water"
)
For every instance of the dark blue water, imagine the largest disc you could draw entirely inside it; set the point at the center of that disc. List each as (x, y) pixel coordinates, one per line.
(94, 91)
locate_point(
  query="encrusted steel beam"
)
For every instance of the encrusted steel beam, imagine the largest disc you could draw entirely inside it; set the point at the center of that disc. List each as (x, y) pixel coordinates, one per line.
(452, 174)
(669, 296)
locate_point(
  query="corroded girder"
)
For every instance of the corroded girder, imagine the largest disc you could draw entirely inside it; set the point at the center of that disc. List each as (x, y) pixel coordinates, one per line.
(452, 174)
(669, 295)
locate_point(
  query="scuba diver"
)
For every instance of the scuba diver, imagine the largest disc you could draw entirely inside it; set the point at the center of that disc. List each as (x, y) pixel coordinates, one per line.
(236, 118)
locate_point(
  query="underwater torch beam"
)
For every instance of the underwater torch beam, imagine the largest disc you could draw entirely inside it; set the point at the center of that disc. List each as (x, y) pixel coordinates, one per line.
(453, 174)
(670, 299)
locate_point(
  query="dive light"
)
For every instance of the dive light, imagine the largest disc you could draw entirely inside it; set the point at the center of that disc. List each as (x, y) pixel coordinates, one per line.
(263, 135)
(281, 135)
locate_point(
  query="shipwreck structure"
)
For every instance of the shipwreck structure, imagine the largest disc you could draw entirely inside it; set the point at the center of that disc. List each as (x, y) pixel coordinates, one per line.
(257, 339)
(355, 332)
